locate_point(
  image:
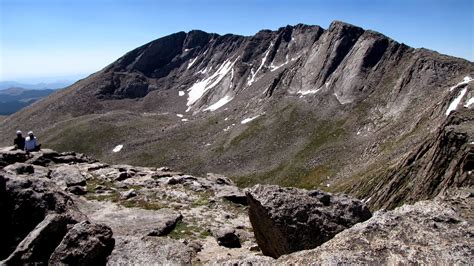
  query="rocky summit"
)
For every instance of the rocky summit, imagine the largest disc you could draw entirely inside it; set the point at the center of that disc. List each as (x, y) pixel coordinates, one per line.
(96, 213)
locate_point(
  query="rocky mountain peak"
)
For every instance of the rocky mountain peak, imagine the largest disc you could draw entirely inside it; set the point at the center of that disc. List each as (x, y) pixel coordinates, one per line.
(299, 106)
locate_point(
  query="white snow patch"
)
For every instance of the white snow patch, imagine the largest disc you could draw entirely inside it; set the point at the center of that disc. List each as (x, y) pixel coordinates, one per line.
(254, 74)
(181, 93)
(469, 102)
(226, 119)
(454, 104)
(184, 120)
(246, 120)
(179, 115)
(466, 80)
(273, 67)
(186, 50)
(198, 89)
(303, 93)
(192, 63)
(118, 148)
(219, 103)
(358, 133)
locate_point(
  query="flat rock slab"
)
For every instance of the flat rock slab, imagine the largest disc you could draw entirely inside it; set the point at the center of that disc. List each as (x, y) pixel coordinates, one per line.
(128, 221)
(134, 250)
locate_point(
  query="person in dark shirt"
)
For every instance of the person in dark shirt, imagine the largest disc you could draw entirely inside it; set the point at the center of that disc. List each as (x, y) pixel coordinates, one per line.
(19, 141)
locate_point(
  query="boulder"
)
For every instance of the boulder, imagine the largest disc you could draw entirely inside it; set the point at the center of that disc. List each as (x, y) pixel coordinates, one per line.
(38, 245)
(24, 203)
(435, 232)
(166, 226)
(122, 176)
(128, 194)
(232, 194)
(226, 237)
(67, 176)
(77, 190)
(85, 244)
(286, 220)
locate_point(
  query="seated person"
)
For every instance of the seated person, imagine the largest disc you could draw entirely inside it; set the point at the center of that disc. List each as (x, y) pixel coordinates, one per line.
(19, 141)
(31, 143)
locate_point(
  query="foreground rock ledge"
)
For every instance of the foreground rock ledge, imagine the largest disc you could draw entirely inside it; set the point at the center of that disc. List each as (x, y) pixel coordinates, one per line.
(286, 220)
(427, 232)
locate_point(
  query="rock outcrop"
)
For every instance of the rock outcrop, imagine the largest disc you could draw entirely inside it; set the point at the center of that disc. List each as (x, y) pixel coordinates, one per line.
(286, 220)
(64, 208)
(427, 232)
(36, 224)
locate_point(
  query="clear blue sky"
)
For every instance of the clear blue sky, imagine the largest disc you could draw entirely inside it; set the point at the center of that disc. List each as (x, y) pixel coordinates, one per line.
(54, 39)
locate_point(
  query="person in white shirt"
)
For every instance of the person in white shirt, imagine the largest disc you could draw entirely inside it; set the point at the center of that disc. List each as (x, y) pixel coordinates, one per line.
(31, 143)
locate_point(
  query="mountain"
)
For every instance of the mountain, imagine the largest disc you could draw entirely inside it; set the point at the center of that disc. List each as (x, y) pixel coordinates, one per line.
(13, 99)
(341, 109)
(38, 86)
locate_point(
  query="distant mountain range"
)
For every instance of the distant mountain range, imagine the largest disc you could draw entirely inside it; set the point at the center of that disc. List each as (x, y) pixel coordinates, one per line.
(13, 99)
(37, 86)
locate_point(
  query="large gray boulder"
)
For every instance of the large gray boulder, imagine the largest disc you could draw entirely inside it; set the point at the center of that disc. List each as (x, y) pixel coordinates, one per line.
(85, 244)
(24, 203)
(286, 220)
(438, 232)
(38, 245)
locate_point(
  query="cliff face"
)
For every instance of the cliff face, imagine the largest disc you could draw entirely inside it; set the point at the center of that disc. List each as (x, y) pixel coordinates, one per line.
(443, 161)
(301, 106)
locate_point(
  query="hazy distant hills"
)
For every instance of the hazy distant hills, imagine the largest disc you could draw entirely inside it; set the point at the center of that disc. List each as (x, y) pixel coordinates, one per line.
(13, 99)
(37, 86)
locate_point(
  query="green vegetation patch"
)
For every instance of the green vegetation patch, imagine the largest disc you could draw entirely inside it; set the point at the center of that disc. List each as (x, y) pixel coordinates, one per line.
(188, 231)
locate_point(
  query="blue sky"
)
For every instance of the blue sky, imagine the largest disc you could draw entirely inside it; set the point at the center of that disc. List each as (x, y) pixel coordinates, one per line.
(46, 40)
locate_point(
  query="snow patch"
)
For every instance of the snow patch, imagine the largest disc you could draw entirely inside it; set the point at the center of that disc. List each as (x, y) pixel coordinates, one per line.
(246, 120)
(303, 93)
(118, 148)
(181, 93)
(466, 80)
(184, 120)
(469, 102)
(179, 115)
(254, 74)
(198, 89)
(192, 63)
(273, 67)
(219, 103)
(454, 104)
